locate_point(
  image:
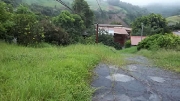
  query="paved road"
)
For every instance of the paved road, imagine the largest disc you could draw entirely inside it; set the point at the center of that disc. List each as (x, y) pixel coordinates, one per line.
(135, 82)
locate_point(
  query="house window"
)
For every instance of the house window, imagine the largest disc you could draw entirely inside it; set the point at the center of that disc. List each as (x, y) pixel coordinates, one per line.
(111, 32)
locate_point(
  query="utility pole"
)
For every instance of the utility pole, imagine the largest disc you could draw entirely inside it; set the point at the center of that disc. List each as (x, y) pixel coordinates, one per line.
(142, 25)
(97, 31)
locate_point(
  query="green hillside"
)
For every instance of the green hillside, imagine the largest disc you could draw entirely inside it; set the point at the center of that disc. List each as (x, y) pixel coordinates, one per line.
(92, 3)
(49, 3)
(173, 19)
(113, 10)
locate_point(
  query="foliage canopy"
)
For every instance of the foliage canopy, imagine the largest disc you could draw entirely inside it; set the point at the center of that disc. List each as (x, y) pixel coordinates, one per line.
(153, 24)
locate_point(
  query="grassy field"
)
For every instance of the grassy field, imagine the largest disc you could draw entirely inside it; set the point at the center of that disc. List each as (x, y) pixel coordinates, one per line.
(51, 73)
(166, 59)
(48, 3)
(173, 19)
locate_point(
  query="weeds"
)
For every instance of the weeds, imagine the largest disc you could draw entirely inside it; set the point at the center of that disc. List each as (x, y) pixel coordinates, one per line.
(167, 59)
(52, 73)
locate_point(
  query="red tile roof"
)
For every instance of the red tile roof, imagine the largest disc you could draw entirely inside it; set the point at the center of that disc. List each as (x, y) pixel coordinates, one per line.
(136, 39)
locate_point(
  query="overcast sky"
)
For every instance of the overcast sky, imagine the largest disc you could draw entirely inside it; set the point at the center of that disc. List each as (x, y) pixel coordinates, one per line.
(146, 2)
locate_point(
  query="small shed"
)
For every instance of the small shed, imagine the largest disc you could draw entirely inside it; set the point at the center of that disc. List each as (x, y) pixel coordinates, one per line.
(120, 35)
(136, 39)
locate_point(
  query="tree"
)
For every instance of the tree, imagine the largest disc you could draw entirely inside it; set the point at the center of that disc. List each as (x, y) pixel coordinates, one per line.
(54, 34)
(6, 21)
(27, 28)
(13, 2)
(153, 24)
(72, 23)
(82, 8)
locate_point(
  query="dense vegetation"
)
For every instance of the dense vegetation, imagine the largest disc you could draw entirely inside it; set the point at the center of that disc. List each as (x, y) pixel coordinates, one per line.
(30, 27)
(110, 10)
(51, 73)
(168, 41)
(130, 11)
(152, 24)
(109, 41)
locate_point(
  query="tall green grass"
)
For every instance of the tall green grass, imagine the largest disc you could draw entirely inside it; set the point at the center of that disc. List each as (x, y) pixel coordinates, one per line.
(166, 59)
(52, 73)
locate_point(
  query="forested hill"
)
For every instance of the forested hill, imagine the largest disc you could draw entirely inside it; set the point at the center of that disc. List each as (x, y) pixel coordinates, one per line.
(166, 10)
(114, 11)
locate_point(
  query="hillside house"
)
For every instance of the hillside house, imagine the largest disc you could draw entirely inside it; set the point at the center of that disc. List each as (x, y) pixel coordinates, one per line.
(120, 33)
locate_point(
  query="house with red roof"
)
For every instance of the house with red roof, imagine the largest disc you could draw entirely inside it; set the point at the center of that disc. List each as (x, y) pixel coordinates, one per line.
(120, 33)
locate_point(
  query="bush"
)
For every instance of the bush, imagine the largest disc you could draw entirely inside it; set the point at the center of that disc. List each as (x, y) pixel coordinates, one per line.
(168, 41)
(53, 34)
(128, 44)
(87, 40)
(109, 41)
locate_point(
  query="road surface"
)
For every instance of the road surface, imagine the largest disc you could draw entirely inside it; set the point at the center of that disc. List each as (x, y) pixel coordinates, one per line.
(136, 82)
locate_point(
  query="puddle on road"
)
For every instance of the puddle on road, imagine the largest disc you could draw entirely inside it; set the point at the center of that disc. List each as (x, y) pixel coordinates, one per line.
(157, 79)
(120, 77)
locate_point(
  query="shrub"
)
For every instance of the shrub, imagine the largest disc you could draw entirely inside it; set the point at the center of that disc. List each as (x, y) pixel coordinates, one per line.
(87, 40)
(53, 34)
(128, 44)
(26, 27)
(168, 41)
(109, 41)
(72, 23)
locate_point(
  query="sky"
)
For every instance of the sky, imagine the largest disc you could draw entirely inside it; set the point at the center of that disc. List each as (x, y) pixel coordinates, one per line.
(146, 2)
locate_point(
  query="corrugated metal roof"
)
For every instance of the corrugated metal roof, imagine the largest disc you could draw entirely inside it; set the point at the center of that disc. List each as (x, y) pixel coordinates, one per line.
(117, 30)
(120, 31)
(109, 25)
(136, 39)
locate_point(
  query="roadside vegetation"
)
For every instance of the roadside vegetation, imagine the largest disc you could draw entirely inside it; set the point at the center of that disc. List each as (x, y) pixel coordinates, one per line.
(30, 26)
(55, 54)
(166, 59)
(51, 73)
(160, 45)
(164, 50)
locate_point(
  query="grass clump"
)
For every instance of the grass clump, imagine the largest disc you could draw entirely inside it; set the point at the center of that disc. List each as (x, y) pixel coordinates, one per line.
(52, 73)
(166, 59)
(131, 50)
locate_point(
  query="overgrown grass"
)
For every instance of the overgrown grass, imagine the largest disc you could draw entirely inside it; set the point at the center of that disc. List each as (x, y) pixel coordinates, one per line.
(166, 59)
(130, 50)
(52, 73)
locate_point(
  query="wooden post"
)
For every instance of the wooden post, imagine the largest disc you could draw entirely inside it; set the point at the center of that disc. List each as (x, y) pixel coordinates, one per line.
(97, 30)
